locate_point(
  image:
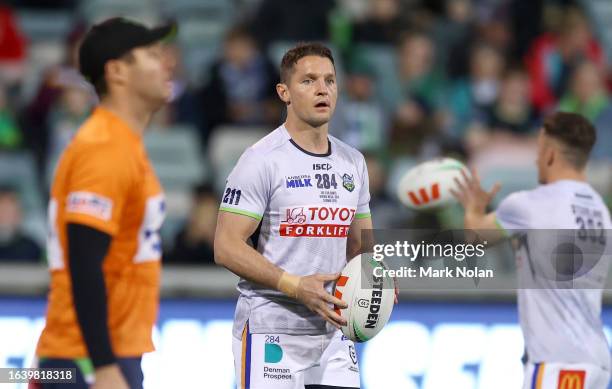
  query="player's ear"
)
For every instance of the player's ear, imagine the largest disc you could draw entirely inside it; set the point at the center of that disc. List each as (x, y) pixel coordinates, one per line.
(283, 93)
(114, 71)
(551, 156)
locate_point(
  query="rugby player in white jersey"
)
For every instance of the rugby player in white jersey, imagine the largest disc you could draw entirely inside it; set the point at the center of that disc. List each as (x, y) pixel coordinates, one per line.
(562, 328)
(308, 192)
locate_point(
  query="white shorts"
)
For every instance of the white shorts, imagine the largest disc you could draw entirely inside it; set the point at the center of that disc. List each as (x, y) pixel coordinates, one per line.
(565, 376)
(281, 361)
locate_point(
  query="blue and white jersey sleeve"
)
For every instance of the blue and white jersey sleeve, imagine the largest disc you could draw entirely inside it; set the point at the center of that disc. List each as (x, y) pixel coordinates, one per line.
(247, 187)
(513, 214)
(363, 205)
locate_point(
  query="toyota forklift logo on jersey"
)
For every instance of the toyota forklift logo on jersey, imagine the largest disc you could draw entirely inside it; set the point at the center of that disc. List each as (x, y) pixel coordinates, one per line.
(316, 221)
(295, 216)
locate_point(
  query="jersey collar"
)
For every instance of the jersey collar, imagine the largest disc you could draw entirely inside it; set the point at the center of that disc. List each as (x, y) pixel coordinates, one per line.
(326, 154)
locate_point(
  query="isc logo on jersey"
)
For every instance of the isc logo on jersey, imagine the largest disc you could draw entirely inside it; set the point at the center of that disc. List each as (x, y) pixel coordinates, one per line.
(316, 221)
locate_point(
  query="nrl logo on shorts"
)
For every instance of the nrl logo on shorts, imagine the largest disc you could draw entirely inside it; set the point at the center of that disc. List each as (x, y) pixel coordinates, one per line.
(348, 182)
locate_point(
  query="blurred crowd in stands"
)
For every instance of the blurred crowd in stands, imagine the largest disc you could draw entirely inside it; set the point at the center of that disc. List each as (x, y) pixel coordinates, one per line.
(418, 79)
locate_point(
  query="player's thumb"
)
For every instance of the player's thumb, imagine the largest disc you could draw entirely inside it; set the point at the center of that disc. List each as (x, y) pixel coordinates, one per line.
(495, 189)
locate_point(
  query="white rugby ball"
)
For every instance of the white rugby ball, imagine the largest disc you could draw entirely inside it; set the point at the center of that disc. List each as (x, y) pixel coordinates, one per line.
(369, 305)
(428, 184)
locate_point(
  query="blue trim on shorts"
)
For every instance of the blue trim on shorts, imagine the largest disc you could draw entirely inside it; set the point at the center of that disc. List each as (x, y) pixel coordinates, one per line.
(534, 377)
(247, 373)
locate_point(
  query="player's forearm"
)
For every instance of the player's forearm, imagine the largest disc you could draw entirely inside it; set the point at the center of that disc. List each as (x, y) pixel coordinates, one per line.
(87, 248)
(246, 262)
(360, 239)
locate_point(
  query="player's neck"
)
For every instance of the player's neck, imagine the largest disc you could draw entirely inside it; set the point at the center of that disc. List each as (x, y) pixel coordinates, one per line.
(135, 114)
(311, 139)
(566, 174)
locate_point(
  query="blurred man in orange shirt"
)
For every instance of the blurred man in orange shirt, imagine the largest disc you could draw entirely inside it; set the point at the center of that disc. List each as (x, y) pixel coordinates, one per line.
(105, 212)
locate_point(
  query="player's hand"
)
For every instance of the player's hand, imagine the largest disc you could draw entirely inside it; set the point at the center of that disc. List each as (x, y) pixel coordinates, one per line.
(311, 292)
(110, 377)
(471, 195)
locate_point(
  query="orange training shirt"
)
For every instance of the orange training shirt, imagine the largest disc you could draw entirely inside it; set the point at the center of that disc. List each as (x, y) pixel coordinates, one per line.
(104, 180)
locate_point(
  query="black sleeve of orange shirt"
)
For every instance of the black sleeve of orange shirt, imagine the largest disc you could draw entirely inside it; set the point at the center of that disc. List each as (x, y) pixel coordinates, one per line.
(87, 248)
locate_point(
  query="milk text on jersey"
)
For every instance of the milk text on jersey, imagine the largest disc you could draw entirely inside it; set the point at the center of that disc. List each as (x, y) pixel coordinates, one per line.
(316, 221)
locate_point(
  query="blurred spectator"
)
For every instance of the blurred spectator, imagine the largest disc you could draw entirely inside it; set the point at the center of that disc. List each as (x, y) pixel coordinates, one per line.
(194, 242)
(479, 91)
(418, 78)
(553, 56)
(12, 48)
(10, 135)
(15, 245)
(66, 116)
(417, 101)
(388, 213)
(240, 89)
(382, 23)
(359, 115)
(183, 107)
(452, 33)
(510, 118)
(588, 96)
(36, 117)
(512, 112)
(493, 23)
(184, 98)
(526, 24)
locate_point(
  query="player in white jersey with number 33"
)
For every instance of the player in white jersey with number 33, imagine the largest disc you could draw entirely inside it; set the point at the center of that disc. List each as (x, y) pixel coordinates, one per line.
(308, 193)
(563, 254)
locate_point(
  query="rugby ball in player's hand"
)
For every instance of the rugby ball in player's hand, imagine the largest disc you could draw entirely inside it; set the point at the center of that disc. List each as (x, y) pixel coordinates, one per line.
(369, 304)
(428, 184)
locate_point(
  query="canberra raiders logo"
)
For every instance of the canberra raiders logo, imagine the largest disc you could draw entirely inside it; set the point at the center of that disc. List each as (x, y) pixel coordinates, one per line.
(347, 182)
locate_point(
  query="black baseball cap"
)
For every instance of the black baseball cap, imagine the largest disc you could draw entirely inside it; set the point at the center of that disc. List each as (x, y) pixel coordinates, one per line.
(113, 38)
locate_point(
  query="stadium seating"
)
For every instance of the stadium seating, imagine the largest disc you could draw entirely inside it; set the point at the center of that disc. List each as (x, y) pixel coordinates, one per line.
(143, 11)
(45, 25)
(202, 26)
(175, 154)
(226, 145)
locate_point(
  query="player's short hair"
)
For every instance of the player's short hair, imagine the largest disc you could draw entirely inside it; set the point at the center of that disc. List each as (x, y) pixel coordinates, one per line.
(300, 51)
(575, 133)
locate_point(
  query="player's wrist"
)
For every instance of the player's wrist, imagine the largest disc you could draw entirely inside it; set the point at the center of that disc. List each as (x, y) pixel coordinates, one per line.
(473, 220)
(107, 369)
(288, 284)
